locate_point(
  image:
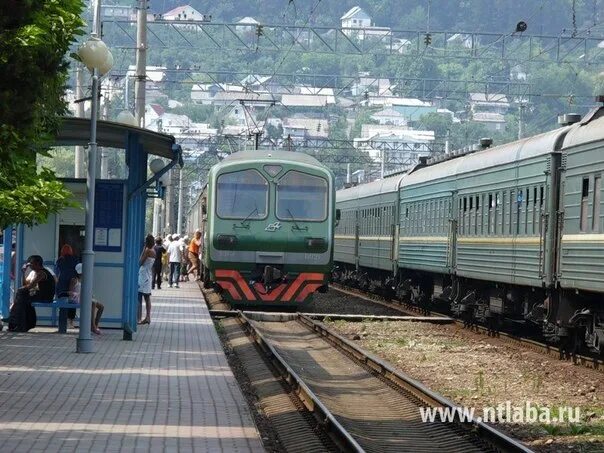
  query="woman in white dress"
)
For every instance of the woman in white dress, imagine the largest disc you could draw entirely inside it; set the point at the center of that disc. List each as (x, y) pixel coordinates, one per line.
(145, 275)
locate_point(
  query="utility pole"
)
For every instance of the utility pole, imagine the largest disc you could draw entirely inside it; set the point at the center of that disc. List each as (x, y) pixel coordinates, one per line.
(448, 142)
(169, 204)
(141, 63)
(383, 165)
(180, 202)
(521, 120)
(79, 94)
(104, 153)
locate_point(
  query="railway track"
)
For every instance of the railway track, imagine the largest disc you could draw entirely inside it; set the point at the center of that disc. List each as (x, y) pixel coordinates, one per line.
(363, 402)
(592, 362)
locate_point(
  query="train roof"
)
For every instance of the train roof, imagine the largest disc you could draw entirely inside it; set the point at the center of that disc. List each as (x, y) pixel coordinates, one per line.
(586, 131)
(498, 155)
(382, 186)
(277, 156)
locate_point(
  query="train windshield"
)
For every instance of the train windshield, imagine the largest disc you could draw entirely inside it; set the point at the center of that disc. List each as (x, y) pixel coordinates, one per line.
(301, 196)
(242, 195)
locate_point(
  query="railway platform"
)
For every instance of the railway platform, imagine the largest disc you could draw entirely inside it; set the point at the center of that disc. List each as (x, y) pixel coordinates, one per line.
(171, 389)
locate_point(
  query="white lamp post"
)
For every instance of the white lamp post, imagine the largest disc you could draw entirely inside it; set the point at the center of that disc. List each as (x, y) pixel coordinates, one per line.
(96, 56)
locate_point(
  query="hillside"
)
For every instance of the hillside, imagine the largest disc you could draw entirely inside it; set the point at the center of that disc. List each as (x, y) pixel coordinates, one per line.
(543, 17)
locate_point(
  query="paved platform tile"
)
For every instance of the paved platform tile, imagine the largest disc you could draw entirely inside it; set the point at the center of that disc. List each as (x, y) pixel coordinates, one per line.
(170, 389)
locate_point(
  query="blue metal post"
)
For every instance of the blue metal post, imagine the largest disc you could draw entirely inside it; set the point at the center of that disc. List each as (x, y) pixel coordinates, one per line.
(137, 175)
(8, 235)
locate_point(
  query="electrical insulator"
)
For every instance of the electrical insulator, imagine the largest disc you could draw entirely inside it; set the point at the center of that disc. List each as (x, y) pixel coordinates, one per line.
(428, 39)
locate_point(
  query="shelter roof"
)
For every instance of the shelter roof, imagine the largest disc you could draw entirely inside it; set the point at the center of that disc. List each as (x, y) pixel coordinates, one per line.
(76, 131)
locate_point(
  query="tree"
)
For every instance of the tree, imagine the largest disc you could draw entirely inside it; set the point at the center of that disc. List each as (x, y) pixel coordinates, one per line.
(35, 36)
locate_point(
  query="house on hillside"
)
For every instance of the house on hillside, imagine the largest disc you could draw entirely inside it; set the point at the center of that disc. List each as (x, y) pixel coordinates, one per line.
(155, 74)
(411, 108)
(302, 101)
(117, 12)
(153, 112)
(390, 116)
(357, 23)
(356, 17)
(372, 85)
(185, 13)
(305, 131)
(247, 24)
(400, 148)
(489, 109)
(258, 83)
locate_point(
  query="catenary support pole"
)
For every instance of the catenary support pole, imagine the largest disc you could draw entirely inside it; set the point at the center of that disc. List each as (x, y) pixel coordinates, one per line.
(180, 202)
(141, 63)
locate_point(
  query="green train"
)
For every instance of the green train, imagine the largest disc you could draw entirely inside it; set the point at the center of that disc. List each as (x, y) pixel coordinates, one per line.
(268, 220)
(506, 234)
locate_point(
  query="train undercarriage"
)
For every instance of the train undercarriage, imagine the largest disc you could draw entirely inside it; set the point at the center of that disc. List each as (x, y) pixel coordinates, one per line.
(571, 320)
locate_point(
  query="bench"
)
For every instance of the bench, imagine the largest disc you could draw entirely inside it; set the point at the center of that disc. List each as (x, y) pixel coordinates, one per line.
(62, 304)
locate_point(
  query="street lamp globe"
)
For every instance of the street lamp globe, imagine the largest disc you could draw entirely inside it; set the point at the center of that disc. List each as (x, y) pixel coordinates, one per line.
(156, 165)
(93, 53)
(126, 117)
(107, 64)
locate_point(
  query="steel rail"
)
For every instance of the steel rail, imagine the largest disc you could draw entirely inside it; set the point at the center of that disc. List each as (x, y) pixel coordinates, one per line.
(496, 438)
(304, 393)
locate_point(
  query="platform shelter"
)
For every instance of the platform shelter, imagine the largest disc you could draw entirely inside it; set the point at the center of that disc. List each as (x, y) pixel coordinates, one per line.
(119, 220)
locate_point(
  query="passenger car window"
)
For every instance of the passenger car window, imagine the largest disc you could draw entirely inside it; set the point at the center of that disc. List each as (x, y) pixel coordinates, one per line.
(301, 196)
(242, 194)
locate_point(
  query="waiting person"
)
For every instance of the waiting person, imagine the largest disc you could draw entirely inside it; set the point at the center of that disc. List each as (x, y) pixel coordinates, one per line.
(145, 276)
(184, 263)
(38, 286)
(166, 259)
(75, 290)
(160, 251)
(174, 255)
(66, 272)
(194, 254)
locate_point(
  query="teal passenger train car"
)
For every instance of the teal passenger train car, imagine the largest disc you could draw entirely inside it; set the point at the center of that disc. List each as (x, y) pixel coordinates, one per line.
(267, 219)
(507, 233)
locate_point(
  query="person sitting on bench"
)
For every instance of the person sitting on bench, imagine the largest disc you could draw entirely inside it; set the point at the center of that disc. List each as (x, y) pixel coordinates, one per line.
(38, 286)
(75, 289)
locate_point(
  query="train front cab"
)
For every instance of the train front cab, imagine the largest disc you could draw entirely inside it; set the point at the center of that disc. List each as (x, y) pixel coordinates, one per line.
(270, 231)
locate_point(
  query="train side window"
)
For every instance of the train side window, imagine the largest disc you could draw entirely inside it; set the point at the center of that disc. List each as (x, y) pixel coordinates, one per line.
(595, 218)
(478, 215)
(512, 211)
(490, 215)
(584, 203)
(541, 197)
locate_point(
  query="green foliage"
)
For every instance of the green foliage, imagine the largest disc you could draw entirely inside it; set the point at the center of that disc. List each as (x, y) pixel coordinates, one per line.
(35, 36)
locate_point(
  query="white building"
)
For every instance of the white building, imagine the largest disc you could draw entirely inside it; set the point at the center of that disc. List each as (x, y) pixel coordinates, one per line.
(490, 110)
(356, 22)
(390, 116)
(398, 148)
(154, 74)
(356, 17)
(247, 24)
(118, 12)
(185, 13)
(372, 85)
(305, 130)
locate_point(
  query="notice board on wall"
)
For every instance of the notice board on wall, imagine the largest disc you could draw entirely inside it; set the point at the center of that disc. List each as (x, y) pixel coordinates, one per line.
(108, 216)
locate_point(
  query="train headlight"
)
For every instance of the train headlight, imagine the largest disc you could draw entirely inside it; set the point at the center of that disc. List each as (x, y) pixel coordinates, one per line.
(316, 244)
(225, 241)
